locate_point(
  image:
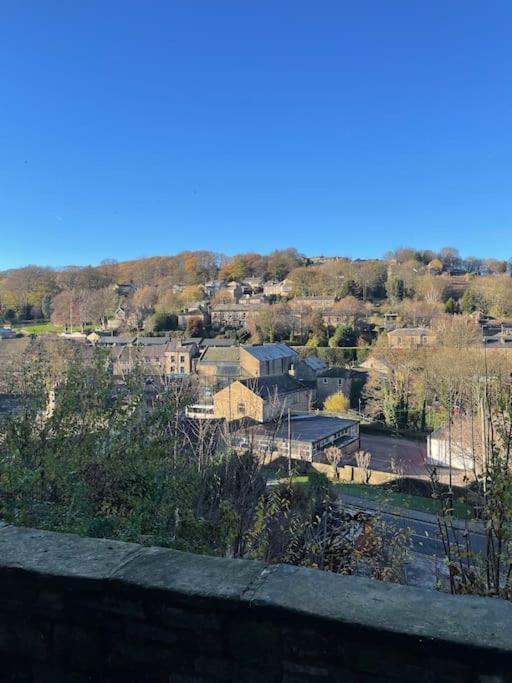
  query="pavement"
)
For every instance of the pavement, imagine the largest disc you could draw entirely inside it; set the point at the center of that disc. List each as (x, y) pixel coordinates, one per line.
(408, 454)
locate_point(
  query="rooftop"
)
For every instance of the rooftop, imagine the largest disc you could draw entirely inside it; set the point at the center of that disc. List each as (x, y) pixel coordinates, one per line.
(269, 386)
(338, 372)
(409, 331)
(271, 351)
(308, 428)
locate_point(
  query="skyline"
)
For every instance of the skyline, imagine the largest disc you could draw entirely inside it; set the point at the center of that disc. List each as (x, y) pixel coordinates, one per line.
(347, 130)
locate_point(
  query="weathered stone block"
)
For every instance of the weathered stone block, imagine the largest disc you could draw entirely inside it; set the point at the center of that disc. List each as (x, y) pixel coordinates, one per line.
(257, 642)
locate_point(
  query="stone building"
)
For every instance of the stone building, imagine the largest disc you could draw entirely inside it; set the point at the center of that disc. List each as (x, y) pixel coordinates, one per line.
(336, 380)
(304, 437)
(262, 398)
(263, 360)
(411, 337)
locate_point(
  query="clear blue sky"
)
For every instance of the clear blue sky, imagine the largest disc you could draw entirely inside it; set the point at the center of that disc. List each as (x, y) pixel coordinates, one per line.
(132, 128)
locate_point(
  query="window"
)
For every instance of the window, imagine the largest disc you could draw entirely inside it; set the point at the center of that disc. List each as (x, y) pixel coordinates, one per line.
(340, 382)
(326, 381)
(241, 408)
(182, 359)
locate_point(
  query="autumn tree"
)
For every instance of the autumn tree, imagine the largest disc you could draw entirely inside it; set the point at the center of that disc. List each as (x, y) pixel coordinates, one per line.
(337, 403)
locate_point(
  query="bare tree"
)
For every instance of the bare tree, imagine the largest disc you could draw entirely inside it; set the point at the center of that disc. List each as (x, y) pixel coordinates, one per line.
(363, 460)
(333, 456)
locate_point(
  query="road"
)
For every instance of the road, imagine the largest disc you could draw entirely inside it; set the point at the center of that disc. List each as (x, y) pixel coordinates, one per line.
(425, 538)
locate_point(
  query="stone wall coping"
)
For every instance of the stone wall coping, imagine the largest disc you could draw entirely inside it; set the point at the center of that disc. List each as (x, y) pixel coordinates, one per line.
(483, 624)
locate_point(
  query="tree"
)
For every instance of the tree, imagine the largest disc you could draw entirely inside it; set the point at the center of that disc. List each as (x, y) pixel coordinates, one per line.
(470, 301)
(161, 322)
(336, 403)
(66, 309)
(195, 327)
(344, 335)
(333, 455)
(450, 306)
(395, 289)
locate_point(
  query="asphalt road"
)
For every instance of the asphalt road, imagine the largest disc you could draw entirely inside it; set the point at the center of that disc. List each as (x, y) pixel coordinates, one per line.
(425, 536)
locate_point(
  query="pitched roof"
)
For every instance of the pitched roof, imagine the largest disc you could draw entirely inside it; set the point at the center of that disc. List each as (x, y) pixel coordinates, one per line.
(218, 341)
(409, 332)
(271, 351)
(267, 387)
(151, 341)
(119, 340)
(315, 363)
(345, 373)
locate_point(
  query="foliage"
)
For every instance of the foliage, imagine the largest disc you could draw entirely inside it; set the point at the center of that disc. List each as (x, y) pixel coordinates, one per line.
(336, 403)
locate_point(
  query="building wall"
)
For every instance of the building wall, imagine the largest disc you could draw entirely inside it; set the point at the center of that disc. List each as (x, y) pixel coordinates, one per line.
(264, 368)
(326, 386)
(236, 401)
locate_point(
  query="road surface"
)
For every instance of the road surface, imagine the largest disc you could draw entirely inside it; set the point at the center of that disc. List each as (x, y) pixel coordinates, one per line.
(408, 454)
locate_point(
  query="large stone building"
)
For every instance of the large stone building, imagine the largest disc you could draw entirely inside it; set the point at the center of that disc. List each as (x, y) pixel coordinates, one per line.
(263, 360)
(411, 337)
(170, 359)
(233, 316)
(262, 398)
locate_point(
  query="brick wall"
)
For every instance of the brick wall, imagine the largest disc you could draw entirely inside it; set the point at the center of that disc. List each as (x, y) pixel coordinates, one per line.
(80, 609)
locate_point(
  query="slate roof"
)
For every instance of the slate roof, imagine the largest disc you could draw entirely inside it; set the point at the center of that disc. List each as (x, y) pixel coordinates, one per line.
(219, 342)
(341, 373)
(119, 340)
(268, 386)
(271, 351)
(151, 341)
(315, 363)
(309, 428)
(409, 332)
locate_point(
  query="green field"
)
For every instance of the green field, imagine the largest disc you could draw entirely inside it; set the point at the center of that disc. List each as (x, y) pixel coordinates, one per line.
(404, 500)
(38, 328)
(46, 328)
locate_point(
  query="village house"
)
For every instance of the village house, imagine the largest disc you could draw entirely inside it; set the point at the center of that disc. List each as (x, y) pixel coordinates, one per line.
(319, 303)
(169, 359)
(307, 369)
(411, 337)
(339, 380)
(332, 317)
(278, 289)
(187, 318)
(125, 319)
(458, 445)
(262, 399)
(233, 316)
(303, 437)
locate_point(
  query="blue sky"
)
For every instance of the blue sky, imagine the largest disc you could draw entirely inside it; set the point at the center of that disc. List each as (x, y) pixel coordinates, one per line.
(132, 128)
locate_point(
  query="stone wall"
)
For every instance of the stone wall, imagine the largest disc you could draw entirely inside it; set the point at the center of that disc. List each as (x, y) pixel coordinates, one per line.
(80, 609)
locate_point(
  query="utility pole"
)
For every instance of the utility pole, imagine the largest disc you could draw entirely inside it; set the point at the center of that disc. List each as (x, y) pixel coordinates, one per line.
(289, 443)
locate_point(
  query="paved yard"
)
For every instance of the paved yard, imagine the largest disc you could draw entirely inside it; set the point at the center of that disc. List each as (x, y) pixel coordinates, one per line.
(407, 453)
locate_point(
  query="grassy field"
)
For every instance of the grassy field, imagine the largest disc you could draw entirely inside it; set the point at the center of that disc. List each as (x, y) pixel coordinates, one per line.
(44, 328)
(403, 500)
(37, 328)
